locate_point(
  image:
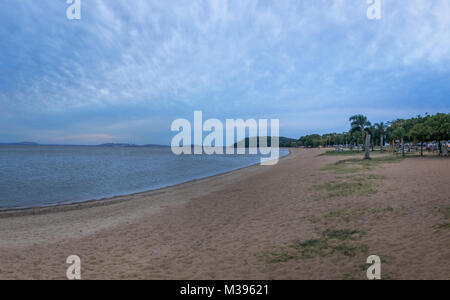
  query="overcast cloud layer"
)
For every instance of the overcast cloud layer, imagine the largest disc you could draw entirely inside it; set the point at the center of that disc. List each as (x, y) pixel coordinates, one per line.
(127, 69)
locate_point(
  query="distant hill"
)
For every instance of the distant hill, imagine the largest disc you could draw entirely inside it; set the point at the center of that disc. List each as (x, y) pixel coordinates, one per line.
(21, 144)
(116, 145)
(129, 145)
(101, 145)
(284, 142)
(154, 145)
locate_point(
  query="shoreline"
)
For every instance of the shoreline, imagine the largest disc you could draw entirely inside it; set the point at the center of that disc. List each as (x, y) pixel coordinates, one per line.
(105, 201)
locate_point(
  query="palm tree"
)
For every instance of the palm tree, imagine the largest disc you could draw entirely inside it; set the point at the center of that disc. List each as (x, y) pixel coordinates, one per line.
(373, 132)
(381, 128)
(361, 123)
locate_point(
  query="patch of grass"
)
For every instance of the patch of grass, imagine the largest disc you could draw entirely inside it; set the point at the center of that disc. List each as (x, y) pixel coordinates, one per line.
(343, 234)
(332, 241)
(349, 250)
(363, 177)
(386, 277)
(343, 214)
(348, 277)
(361, 184)
(313, 219)
(347, 188)
(274, 258)
(347, 215)
(312, 248)
(445, 211)
(444, 226)
(376, 161)
(341, 168)
(355, 165)
(383, 210)
(343, 153)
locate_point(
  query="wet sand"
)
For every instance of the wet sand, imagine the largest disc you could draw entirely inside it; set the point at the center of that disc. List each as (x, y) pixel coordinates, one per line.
(244, 225)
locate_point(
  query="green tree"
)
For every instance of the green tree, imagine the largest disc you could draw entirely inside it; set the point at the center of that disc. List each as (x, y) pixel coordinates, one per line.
(313, 140)
(400, 133)
(362, 124)
(359, 123)
(355, 137)
(421, 133)
(381, 131)
(439, 126)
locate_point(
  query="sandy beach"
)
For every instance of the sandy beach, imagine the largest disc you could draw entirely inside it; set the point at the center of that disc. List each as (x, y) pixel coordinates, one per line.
(304, 218)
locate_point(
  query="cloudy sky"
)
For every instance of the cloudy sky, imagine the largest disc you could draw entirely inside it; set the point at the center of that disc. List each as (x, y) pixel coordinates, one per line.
(127, 69)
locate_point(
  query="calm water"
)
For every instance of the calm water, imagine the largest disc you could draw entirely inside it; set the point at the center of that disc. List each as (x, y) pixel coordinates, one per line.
(49, 175)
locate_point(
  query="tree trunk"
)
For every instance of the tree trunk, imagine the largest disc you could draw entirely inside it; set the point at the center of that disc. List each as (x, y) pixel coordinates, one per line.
(363, 139)
(421, 148)
(403, 147)
(367, 147)
(357, 144)
(381, 143)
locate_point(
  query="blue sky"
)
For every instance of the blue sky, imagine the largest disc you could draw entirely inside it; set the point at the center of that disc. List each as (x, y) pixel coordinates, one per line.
(127, 69)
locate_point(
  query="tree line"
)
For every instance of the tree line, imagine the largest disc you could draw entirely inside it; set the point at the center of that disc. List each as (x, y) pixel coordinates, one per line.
(420, 129)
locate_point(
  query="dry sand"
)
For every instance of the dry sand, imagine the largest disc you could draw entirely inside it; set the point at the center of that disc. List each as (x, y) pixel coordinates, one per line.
(242, 225)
